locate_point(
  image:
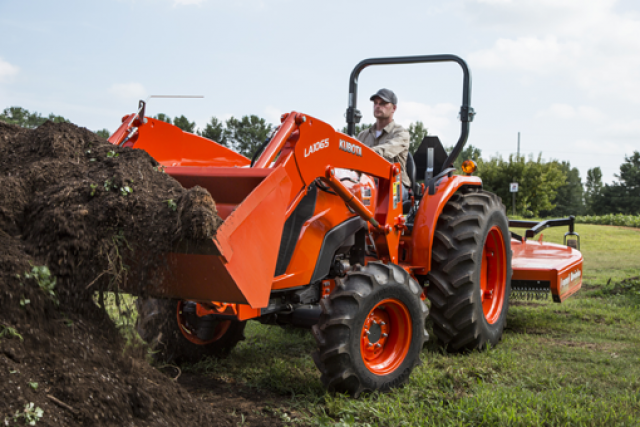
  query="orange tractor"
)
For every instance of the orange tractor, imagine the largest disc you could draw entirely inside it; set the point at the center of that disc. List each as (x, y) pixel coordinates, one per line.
(316, 235)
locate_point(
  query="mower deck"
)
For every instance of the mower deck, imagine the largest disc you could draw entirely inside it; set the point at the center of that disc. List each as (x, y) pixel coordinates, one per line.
(541, 267)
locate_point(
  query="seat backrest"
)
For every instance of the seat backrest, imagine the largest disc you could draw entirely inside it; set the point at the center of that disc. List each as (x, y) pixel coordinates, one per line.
(421, 156)
(411, 171)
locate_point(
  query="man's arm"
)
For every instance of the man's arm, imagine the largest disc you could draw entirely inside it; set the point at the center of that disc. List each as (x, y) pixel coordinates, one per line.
(399, 143)
(362, 136)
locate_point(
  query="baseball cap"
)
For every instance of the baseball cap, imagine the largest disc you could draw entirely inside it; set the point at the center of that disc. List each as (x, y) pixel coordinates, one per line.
(386, 95)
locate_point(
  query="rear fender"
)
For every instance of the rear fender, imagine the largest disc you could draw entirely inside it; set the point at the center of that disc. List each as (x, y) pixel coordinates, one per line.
(427, 216)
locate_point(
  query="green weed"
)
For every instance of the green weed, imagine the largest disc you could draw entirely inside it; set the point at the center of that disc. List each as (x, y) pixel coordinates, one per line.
(31, 414)
(121, 308)
(45, 280)
(172, 205)
(7, 331)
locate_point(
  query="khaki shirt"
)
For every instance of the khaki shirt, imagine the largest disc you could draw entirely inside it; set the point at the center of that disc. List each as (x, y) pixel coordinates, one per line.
(392, 144)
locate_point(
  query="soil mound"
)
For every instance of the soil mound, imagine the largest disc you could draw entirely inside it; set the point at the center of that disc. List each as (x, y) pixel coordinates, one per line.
(73, 210)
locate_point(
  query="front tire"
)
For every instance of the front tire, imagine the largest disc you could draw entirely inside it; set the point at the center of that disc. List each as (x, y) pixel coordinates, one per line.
(470, 277)
(177, 335)
(371, 331)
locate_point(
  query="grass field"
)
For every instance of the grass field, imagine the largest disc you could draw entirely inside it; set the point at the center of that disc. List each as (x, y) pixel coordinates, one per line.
(576, 363)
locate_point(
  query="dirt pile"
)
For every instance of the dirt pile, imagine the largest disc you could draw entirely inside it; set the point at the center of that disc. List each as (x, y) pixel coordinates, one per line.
(82, 207)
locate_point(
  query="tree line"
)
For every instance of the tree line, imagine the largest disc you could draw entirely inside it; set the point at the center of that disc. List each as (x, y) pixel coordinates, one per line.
(24, 118)
(244, 135)
(546, 188)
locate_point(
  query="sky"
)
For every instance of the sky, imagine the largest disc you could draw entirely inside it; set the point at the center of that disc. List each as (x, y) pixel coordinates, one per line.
(563, 73)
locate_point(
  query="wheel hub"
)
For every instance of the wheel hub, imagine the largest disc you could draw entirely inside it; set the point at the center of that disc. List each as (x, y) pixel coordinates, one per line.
(199, 330)
(493, 275)
(376, 332)
(386, 335)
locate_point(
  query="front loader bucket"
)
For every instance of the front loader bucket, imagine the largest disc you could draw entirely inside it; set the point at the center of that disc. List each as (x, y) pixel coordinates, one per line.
(238, 264)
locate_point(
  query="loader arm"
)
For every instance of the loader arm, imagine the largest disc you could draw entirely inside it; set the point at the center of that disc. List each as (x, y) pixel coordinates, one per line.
(320, 150)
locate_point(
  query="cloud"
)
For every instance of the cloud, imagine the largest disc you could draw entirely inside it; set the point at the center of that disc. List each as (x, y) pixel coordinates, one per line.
(623, 129)
(568, 112)
(605, 127)
(187, 2)
(272, 114)
(128, 91)
(586, 45)
(607, 148)
(495, 1)
(225, 116)
(437, 118)
(565, 16)
(242, 4)
(7, 71)
(540, 55)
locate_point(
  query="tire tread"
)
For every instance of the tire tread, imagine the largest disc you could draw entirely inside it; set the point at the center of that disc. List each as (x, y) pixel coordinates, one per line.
(452, 288)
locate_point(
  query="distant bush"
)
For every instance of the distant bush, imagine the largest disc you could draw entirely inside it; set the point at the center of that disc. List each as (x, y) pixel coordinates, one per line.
(611, 219)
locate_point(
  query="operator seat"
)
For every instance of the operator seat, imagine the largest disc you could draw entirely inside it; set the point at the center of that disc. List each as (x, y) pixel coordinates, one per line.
(414, 190)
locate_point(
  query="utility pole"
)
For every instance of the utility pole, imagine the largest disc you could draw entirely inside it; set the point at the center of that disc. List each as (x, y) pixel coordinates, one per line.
(513, 200)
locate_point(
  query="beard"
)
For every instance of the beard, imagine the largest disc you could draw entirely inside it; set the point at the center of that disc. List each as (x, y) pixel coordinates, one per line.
(379, 114)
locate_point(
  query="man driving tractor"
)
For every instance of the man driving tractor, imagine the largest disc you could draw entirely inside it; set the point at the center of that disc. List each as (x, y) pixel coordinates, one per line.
(386, 137)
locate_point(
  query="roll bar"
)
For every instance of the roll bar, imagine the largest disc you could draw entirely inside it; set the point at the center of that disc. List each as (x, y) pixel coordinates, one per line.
(466, 112)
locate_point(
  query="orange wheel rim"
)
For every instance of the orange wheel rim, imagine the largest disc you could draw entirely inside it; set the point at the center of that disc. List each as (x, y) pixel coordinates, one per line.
(386, 336)
(493, 275)
(189, 330)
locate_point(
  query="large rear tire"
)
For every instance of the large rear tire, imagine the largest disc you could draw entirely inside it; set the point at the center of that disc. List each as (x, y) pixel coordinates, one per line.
(470, 277)
(177, 335)
(371, 331)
